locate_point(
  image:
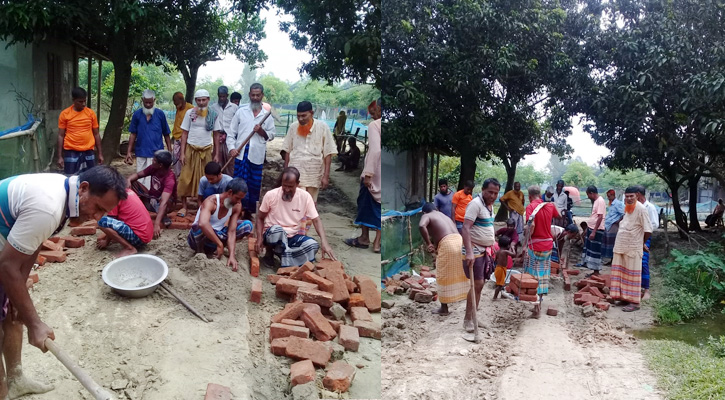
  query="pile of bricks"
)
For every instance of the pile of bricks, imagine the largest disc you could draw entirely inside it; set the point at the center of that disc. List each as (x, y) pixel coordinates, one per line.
(253, 261)
(55, 248)
(321, 299)
(594, 292)
(417, 287)
(181, 223)
(523, 286)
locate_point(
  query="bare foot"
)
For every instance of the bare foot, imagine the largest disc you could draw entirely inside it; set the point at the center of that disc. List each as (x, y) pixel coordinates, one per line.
(126, 252)
(441, 311)
(102, 242)
(23, 385)
(468, 325)
(645, 296)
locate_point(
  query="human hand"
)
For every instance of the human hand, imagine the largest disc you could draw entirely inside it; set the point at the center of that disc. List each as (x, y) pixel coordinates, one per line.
(258, 246)
(592, 236)
(368, 181)
(217, 159)
(37, 333)
(645, 248)
(327, 250)
(325, 182)
(100, 158)
(128, 160)
(157, 230)
(233, 153)
(431, 248)
(219, 252)
(470, 259)
(61, 163)
(232, 261)
(258, 129)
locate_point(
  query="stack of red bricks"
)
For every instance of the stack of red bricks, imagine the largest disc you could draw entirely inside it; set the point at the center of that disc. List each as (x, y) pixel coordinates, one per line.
(523, 286)
(254, 261)
(182, 223)
(321, 297)
(55, 248)
(417, 287)
(594, 291)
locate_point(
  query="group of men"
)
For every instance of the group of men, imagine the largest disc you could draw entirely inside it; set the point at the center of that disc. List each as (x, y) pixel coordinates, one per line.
(459, 226)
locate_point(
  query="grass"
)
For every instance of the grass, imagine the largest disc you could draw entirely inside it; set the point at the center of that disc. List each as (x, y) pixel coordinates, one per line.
(685, 372)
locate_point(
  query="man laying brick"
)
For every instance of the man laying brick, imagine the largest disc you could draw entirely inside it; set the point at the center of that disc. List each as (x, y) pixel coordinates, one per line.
(162, 193)
(281, 222)
(32, 208)
(129, 224)
(217, 215)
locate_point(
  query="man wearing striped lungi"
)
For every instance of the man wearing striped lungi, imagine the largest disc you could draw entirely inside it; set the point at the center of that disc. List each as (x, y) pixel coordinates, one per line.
(634, 232)
(539, 216)
(595, 233)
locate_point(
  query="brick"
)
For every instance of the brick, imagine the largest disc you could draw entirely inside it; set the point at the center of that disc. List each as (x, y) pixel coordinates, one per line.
(292, 322)
(330, 264)
(54, 239)
(360, 313)
(356, 300)
(525, 281)
(508, 288)
(289, 287)
(349, 337)
(51, 246)
(555, 265)
(318, 325)
(256, 295)
(323, 284)
(307, 349)
(572, 272)
(426, 274)
(302, 372)
(370, 292)
(411, 295)
(28, 283)
(338, 312)
(254, 266)
(287, 271)
(180, 225)
(61, 244)
(306, 267)
(528, 297)
(424, 296)
(53, 256)
(587, 304)
(34, 276)
(217, 392)
(251, 244)
(274, 278)
(424, 268)
(602, 305)
(368, 329)
(311, 307)
(73, 242)
(351, 286)
(83, 230)
(336, 325)
(595, 291)
(340, 294)
(40, 260)
(290, 311)
(339, 377)
(598, 278)
(283, 330)
(308, 295)
(279, 346)
(552, 311)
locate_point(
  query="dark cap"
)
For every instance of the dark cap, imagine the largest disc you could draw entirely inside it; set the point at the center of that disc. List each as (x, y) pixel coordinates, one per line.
(303, 106)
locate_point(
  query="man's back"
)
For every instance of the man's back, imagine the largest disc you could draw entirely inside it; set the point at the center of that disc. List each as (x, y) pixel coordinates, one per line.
(440, 225)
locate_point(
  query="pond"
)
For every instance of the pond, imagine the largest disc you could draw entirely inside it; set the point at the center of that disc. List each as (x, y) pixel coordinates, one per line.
(694, 332)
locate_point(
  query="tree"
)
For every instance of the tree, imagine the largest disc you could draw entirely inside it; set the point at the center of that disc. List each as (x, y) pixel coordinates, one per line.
(556, 168)
(579, 175)
(276, 90)
(618, 180)
(248, 77)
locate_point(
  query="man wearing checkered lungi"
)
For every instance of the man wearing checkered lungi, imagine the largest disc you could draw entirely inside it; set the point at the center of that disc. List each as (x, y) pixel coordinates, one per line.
(595, 232)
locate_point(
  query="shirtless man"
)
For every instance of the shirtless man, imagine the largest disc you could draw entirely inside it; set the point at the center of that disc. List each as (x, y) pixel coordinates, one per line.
(452, 282)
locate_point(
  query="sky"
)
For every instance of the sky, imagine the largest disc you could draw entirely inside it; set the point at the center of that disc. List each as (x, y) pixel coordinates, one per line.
(580, 141)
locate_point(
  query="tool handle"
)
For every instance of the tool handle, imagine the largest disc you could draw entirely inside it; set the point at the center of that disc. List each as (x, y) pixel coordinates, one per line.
(187, 305)
(244, 143)
(95, 389)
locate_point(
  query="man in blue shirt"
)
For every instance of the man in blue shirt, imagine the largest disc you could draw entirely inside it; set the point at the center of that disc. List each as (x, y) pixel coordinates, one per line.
(615, 213)
(213, 182)
(148, 126)
(443, 199)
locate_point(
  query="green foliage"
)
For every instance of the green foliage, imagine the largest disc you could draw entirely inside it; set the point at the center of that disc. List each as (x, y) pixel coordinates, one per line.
(579, 175)
(345, 94)
(276, 90)
(685, 372)
(677, 305)
(450, 168)
(717, 346)
(702, 272)
(611, 179)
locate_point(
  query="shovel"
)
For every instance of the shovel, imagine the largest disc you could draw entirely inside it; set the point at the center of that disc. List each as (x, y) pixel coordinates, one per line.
(474, 337)
(241, 146)
(182, 301)
(98, 392)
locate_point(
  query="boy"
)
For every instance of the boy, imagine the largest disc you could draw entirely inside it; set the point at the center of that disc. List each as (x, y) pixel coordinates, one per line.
(129, 224)
(502, 259)
(213, 181)
(162, 193)
(510, 231)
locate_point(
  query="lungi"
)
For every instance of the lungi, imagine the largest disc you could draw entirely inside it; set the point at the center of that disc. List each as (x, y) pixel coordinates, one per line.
(538, 264)
(252, 174)
(626, 282)
(293, 251)
(75, 162)
(453, 286)
(224, 151)
(368, 210)
(122, 229)
(141, 164)
(609, 238)
(193, 169)
(483, 264)
(645, 267)
(593, 250)
(519, 221)
(175, 155)
(244, 228)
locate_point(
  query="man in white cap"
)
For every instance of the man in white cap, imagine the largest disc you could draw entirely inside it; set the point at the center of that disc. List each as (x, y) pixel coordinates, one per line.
(199, 138)
(249, 161)
(148, 127)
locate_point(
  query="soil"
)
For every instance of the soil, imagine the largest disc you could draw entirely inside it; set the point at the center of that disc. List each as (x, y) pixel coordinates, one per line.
(563, 357)
(154, 348)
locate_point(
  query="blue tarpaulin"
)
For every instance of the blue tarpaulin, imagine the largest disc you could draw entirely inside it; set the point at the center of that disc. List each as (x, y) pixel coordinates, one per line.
(22, 127)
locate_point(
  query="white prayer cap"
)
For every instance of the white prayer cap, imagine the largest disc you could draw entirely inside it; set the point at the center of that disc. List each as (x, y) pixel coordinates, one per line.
(149, 94)
(201, 93)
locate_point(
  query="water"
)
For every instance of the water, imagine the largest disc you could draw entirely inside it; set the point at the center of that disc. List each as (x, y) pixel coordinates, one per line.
(694, 332)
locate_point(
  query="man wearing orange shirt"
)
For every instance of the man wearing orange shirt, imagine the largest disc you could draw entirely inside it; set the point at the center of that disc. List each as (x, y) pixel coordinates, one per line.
(78, 135)
(459, 202)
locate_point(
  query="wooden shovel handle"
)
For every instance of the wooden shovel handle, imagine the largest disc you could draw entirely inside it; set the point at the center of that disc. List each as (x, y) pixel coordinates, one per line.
(239, 149)
(95, 389)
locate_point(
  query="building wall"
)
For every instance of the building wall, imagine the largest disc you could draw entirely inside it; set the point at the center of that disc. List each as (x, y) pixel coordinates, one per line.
(15, 63)
(402, 181)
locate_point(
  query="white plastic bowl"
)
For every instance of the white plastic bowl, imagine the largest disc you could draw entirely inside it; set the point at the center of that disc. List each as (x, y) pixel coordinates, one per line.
(136, 275)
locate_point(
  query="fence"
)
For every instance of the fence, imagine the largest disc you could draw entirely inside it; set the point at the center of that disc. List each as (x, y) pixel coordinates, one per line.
(401, 242)
(25, 149)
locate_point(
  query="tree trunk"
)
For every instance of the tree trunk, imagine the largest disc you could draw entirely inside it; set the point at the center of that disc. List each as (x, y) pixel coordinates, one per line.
(121, 83)
(503, 212)
(680, 218)
(468, 168)
(694, 223)
(190, 73)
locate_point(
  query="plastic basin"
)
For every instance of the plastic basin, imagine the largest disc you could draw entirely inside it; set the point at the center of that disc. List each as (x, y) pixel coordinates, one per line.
(136, 275)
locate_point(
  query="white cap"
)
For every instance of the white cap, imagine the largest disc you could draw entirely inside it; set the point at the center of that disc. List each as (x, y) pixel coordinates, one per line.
(148, 94)
(201, 93)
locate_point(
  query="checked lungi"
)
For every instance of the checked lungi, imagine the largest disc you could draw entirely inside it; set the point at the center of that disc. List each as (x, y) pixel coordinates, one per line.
(244, 228)
(645, 267)
(252, 174)
(538, 264)
(519, 221)
(608, 244)
(122, 229)
(73, 160)
(453, 286)
(368, 210)
(293, 251)
(593, 250)
(626, 277)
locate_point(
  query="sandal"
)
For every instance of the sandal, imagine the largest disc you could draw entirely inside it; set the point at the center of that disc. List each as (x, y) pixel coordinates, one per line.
(354, 243)
(630, 308)
(590, 275)
(181, 213)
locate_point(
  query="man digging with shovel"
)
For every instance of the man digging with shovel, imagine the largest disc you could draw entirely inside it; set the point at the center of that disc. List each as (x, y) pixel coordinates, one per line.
(32, 208)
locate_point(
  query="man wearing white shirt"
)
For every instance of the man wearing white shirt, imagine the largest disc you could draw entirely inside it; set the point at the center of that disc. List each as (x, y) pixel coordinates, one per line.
(654, 220)
(560, 201)
(225, 111)
(249, 161)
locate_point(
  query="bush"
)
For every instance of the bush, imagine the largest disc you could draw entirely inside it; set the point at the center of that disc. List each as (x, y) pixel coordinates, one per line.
(678, 305)
(717, 346)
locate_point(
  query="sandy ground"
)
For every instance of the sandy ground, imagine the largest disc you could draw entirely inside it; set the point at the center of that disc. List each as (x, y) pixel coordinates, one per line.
(156, 349)
(562, 357)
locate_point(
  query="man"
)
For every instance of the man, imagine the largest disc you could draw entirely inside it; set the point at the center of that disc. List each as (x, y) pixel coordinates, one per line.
(615, 213)
(478, 239)
(213, 182)
(225, 110)
(654, 221)
(350, 159)
(447, 242)
(561, 235)
(443, 199)
(539, 243)
(235, 98)
(309, 147)
(717, 213)
(281, 222)
(78, 136)
(339, 131)
(199, 141)
(369, 197)
(631, 243)
(181, 108)
(33, 208)
(595, 233)
(129, 225)
(560, 199)
(459, 202)
(249, 162)
(549, 194)
(513, 200)
(148, 126)
(162, 193)
(218, 215)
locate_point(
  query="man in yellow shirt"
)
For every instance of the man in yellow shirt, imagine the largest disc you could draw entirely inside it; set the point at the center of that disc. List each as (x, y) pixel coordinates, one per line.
(78, 135)
(181, 108)
(513, 200)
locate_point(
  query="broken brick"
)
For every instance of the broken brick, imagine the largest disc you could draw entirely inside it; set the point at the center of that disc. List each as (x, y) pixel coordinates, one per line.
(326, 263)
(360, 313)
(368, 329)
(83, 230)
(356, 300)
(279, 346)
(217, 392)
(307, 349)
(287, 271)
(424, 296)
(306, 267)
(290, 311)
(34, 276)
(339, 377)
(335, 325)
(51, 246)
(340, 294)
(572, 272)
(602, 305)
(424, 268)
(40, 260)
(302, 372)
(351, 286)
(256, 295)
(323, 284)
(315, 296)
(318, 325)
(53, 256)
(292, 322)
(283, 330)
(349, 337)
(73, 242)
(552, 311)
(289, 287)
(595, 291)
(274, 278)
(426, 274)
(370, 292)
